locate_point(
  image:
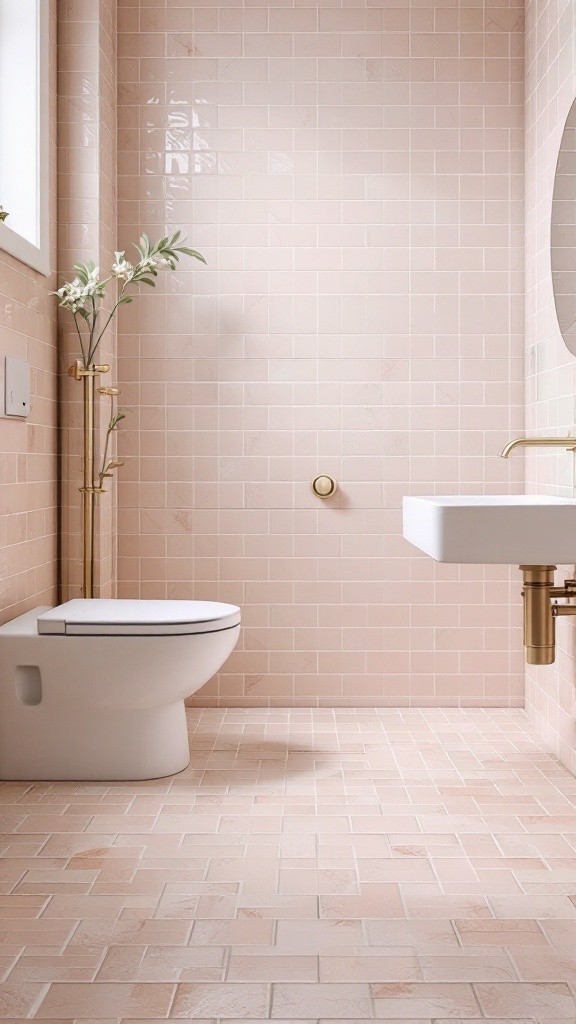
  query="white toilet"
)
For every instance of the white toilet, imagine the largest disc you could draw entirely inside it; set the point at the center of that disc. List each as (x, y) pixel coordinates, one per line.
(95, 689)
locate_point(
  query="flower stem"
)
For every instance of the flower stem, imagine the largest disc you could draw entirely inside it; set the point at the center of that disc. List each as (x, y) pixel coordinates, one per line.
(115, 419)
(91, 349)
(80, 339)
(105, 328)
(106, 443)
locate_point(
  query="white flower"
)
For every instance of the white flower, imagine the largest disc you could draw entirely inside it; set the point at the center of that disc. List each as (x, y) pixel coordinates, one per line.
(72, 295)
(122, 268)
(149, 261)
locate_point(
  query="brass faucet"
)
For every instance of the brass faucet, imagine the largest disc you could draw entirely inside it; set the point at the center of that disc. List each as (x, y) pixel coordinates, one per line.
(540, 605)
(569, 443)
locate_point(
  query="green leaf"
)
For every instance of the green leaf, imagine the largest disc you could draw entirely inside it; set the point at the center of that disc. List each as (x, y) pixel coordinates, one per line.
(194, 253)
(81, 272)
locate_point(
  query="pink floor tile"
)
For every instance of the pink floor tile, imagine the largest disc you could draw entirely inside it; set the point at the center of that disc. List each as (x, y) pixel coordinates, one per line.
(322, 1000)
(375, 900)
(246, 932)
(106, 1000)
(233, 1000)
(500, 933)
(553, 1000)
(424, 1000)
(467, 968)
(545, 965)
(272, 968)
(20, 998)
(318, 936)
(369, 968)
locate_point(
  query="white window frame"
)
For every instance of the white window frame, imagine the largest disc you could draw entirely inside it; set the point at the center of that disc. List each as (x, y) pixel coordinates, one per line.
(37, 256)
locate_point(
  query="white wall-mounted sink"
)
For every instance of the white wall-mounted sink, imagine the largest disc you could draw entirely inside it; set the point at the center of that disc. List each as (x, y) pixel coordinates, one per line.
(519, 529)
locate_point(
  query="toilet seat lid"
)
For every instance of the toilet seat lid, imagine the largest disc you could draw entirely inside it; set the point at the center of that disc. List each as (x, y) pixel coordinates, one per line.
(100, 617)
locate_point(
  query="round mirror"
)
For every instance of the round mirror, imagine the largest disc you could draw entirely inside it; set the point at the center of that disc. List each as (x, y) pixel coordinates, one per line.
(563, 233)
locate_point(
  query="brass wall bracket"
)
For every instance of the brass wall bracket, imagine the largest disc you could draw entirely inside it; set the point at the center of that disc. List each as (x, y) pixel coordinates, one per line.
(78, 370)
(540, 612)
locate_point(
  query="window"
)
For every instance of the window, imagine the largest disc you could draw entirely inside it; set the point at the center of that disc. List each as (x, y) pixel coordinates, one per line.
(24, 157)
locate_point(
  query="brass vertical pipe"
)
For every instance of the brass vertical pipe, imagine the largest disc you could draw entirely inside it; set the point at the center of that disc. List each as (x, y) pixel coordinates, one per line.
(539, 625)
(88, 496)
(89, 489)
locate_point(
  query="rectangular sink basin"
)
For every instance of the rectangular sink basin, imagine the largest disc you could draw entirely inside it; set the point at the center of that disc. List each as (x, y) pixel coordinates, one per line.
(519, 529)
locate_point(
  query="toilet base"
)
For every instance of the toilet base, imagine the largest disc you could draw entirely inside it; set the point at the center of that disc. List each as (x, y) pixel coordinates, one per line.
(100, 707)
(110, 744)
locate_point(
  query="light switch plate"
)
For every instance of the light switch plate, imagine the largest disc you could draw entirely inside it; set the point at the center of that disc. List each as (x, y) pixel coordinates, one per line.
(16, 387)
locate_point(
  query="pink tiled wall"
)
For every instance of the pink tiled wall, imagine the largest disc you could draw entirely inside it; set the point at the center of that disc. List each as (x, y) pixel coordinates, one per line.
(551, 370)
(28, 493)
(354, 176)
(86, 230)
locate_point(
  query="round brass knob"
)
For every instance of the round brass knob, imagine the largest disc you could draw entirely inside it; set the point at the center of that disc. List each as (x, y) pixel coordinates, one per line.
(324, 486)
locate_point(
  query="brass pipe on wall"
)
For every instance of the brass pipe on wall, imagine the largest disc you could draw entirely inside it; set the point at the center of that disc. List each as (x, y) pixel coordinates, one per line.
(89, 490)
(539, 625)
(88, 496)
(569, 443)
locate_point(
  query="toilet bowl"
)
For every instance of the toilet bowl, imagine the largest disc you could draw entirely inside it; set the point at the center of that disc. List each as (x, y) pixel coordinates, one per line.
(95, 689)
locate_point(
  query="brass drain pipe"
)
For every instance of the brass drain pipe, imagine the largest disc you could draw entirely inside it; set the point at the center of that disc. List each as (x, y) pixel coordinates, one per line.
(539, 631)
(540, 613)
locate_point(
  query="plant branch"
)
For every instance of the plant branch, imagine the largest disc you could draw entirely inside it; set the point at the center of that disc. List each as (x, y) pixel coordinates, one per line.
(105, 328)
(91, 349)
(115, 419)
(80, 339)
